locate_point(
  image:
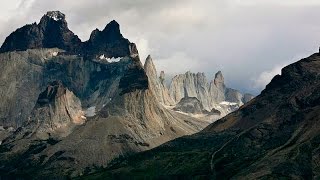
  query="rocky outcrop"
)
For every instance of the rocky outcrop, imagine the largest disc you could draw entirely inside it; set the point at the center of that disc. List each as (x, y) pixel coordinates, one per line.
(157, 84)
(274, 136)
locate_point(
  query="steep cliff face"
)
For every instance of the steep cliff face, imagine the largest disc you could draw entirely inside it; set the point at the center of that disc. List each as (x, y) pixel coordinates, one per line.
(156, 84)
(217, 88)
(190, 85)
(76, 112)
(213, 96)
(274, 136)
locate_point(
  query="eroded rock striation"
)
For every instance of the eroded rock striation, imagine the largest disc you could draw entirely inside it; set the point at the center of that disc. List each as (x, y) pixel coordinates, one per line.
(157, 84)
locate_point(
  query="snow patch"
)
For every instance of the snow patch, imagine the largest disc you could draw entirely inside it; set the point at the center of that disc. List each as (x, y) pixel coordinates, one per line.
(55, 16)
(55, 53)
(110, 60)
(102, 57)
(91, 111)
(228, 103)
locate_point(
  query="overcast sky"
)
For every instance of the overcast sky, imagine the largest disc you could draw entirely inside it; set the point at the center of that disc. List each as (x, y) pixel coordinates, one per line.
(248, 40)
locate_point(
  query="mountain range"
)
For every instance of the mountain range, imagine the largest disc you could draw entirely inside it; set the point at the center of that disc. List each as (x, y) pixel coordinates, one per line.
(71, 107)
(91, 110)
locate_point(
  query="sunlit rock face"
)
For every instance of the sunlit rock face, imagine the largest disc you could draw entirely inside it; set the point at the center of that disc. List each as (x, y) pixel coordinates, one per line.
(157, 84)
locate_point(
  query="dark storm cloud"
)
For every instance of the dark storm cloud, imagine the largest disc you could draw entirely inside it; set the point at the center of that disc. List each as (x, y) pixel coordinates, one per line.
(249, 40)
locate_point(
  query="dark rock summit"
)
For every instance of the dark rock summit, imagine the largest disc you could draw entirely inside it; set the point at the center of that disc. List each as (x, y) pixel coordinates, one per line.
(51, 32)
(109, 42)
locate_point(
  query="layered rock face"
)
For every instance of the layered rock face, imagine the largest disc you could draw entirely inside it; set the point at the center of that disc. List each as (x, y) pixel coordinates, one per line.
(157, 84)
(274, 136)
(78, 111)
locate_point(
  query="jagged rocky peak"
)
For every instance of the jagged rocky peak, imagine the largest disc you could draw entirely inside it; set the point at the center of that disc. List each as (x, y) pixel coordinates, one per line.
(218, 78)
(110, 33)
(156, 84)
(149, 67)
(109, 42)
(51, 32)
